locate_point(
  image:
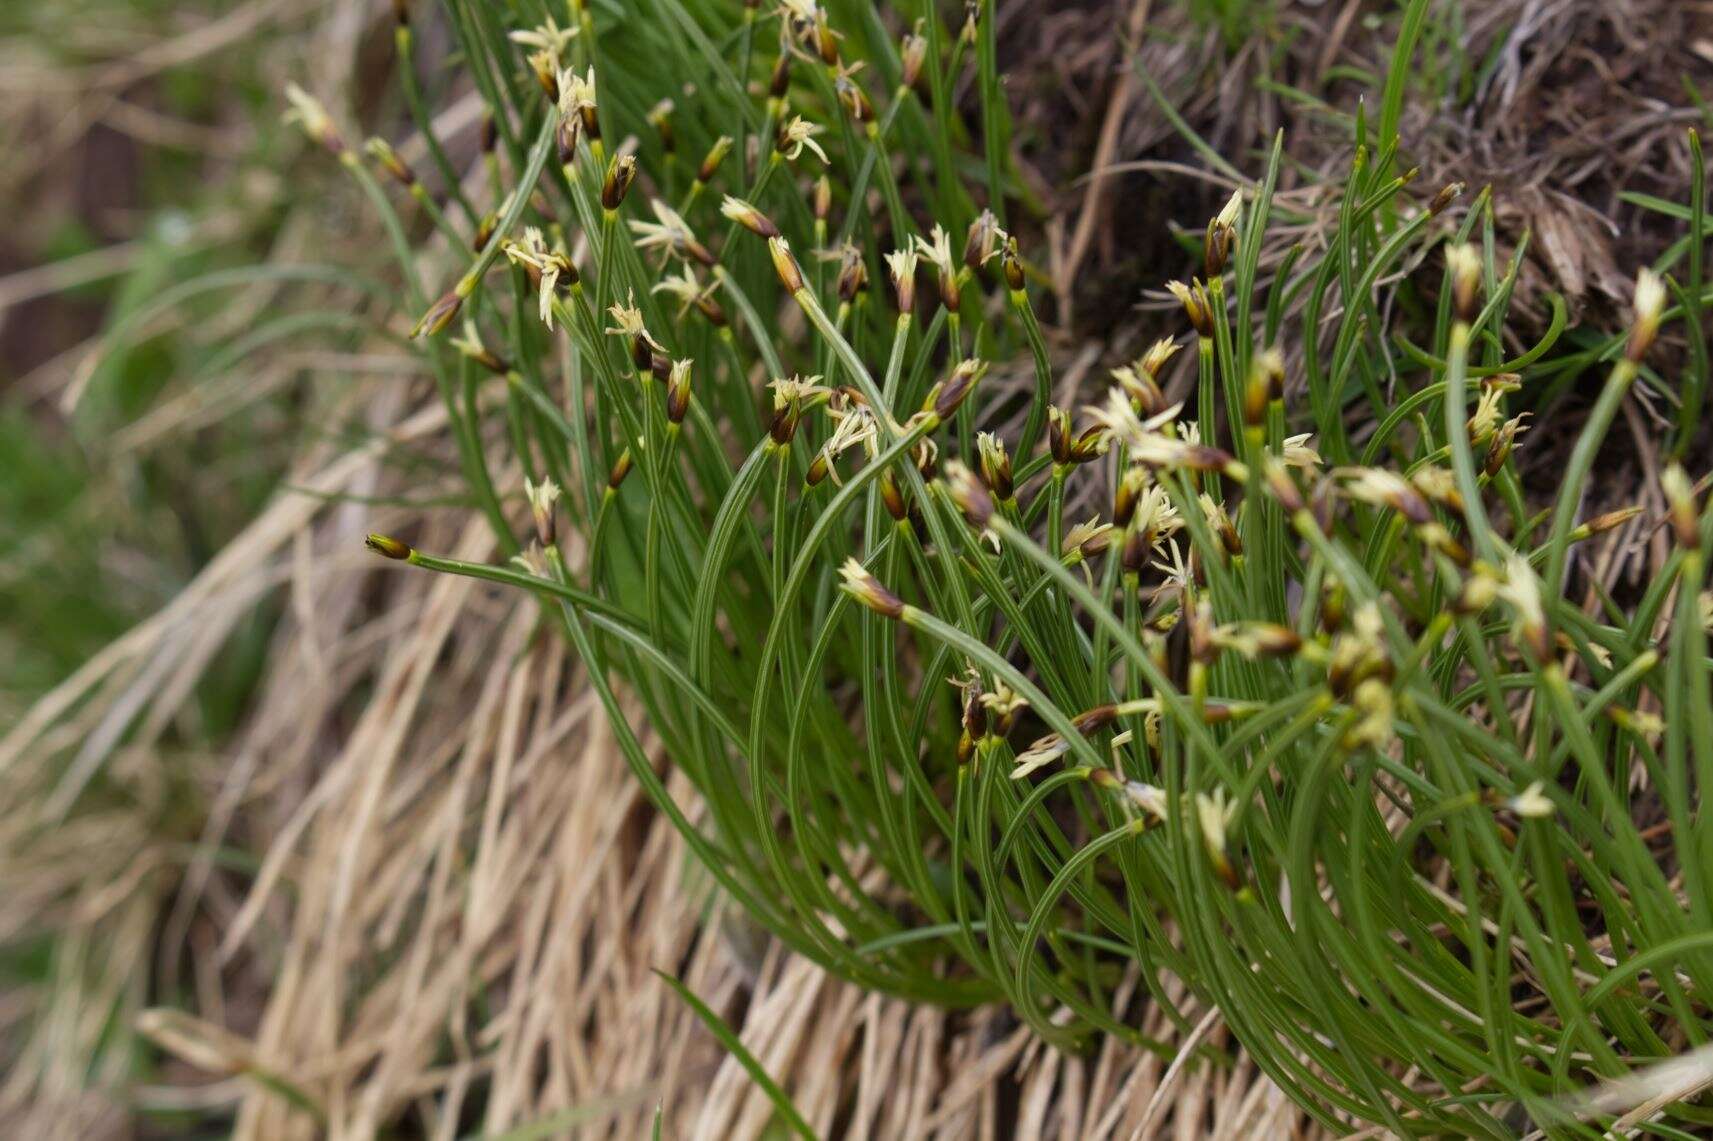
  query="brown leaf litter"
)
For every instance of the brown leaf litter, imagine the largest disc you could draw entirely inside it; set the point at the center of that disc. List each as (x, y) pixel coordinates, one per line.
(1567, 104)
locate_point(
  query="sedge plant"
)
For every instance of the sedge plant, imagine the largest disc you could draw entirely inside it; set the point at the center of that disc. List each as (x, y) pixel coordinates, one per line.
(1309, 714)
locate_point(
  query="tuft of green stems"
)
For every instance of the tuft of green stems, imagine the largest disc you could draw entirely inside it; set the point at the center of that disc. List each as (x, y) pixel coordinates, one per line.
(1317, 726)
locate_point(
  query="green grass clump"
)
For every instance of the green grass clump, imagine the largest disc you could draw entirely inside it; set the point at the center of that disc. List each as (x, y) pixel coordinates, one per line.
(1320, 725)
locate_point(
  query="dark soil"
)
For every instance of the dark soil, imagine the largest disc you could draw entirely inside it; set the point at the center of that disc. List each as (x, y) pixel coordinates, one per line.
(1559, 105)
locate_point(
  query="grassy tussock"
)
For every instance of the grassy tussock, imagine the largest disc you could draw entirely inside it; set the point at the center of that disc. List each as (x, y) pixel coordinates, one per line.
(1281, 665)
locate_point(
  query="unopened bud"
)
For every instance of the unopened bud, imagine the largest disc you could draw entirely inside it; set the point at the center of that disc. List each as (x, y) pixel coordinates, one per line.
(1088, 540)
(308, 113)
(969, 494)
(983, 240)
(974, 713)
(1272, 362)
(678, 392)
(912, 53)
(926, 455)
(484, 231)
(995, 465)
(714, 159)
(546, 74)
(1133, 558)
(1504, 439)
(946, 396)
(747, 216)
(1203, 649)
(1282, 486)
(892, 496)
(1384, 488)
(1480, 590)
(902, 265)
(471, 347)
(1221, 236)
(1650, 301)
(1219, 521)
(1680, 504)
(851, 95)
(785, 264)
(1323, 505)
(543, 498)
(388, 160)
(1059, 438)
(1013, 267)
(1193, 298)
(387, 546)
(1255, 640)
(853, 275)
(660, 118)
(974, 726)
(826, 43)
(621, 172)
(1273, 640)
(1091, 445)
(1333, 599)
(780, 82)
(783, 428)
(1642, 724)
(712, 310)
(441, 314)
(1257, 394)
(1128, 494)
(565, 139)
(1463, 264)
(1600, 524)
(1446, 196)
(949, 295)
(867, 590)
(823, 200)
(1095, 719)
(620, 469)
(1437, 537)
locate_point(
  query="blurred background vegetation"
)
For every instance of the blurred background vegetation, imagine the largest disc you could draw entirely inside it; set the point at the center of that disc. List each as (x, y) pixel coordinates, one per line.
(143, 422)
(143, 153)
